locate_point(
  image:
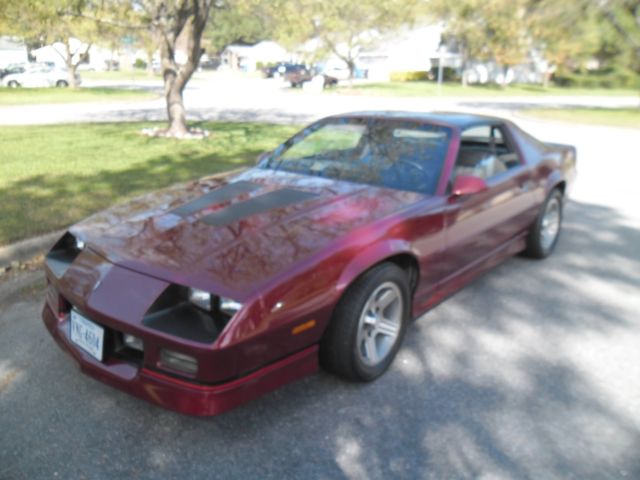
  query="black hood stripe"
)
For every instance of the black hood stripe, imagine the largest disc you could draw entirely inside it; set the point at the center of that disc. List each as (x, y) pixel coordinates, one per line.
(219, 195)
(263, 203)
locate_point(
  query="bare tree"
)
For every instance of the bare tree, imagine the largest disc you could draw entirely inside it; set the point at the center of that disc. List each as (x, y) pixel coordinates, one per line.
(173, 23)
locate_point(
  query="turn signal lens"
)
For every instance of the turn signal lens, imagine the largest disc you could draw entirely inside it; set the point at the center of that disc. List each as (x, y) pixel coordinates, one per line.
(200, 298)
(178, 361)
(131, 341)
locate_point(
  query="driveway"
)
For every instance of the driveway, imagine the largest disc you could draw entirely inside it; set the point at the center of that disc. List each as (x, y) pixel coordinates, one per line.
(532, 371)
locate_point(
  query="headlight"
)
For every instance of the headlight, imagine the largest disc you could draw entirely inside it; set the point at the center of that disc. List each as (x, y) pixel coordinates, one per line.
(80, 244)
(200, 299)
(228, 306)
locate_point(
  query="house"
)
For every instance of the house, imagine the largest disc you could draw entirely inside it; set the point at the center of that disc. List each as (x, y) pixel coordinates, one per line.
(98, 58)
(12, 50)
(248, 57)
(405, 50)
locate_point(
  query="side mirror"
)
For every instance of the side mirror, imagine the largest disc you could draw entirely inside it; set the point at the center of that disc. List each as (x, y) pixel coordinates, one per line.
(468, 185)
(263, 156)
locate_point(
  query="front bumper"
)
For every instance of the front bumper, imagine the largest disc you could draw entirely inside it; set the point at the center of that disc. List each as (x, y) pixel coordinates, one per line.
(181, 395)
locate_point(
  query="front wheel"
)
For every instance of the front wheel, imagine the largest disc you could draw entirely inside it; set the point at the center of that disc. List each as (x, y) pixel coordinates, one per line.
(544, 233)
(13, 84)
(368, 325)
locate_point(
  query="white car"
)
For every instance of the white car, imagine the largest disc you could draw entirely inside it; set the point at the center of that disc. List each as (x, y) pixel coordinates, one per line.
(39, 75)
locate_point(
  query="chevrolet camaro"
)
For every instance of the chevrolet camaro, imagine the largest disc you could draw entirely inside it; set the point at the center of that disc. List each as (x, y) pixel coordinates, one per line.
(205, 295)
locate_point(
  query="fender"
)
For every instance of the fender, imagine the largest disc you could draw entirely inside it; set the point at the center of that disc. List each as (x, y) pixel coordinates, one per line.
(552, 181)
(370, 256)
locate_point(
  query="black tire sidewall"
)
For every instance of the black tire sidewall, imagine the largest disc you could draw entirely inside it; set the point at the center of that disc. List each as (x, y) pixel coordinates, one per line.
(343, 332)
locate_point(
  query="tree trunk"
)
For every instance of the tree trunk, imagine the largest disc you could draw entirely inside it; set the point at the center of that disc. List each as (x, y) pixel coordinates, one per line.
(71, 67)
(173, 87)
(150, 62)
(352, 68)
(505, 70)
(463, 74)
(188, 21)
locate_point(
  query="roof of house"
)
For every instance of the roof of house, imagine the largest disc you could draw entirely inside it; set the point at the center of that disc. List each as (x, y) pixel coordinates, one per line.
(10, 43)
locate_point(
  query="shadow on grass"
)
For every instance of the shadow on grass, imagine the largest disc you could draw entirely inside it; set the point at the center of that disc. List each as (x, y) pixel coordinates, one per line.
(50, 200)
(513, 377)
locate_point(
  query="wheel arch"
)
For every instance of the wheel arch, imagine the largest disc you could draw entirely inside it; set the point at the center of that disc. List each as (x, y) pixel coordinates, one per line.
(398, 252)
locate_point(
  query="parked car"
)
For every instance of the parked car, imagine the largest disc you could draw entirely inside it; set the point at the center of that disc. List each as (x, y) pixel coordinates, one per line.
(274, 70)
(205, 295)
(39, 75)
(15, 68)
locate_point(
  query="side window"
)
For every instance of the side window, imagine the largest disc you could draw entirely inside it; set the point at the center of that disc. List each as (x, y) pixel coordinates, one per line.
(484, 152)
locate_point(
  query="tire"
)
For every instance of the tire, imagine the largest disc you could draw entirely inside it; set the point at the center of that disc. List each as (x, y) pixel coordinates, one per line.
(353, 346)
(62, 83)
(13, 84)
(544, 233)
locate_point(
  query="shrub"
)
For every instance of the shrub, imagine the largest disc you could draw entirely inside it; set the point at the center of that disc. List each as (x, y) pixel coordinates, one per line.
(608, 78)
(414, 76)
(140, 63)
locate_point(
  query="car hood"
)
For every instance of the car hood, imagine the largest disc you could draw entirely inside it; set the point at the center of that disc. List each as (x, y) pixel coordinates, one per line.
(233, 233)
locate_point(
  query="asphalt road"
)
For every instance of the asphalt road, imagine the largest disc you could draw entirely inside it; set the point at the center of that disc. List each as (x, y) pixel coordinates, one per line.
(532, 371)
(220, 96)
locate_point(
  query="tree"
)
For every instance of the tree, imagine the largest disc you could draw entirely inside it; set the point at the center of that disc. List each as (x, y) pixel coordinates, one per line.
(487, 29)
(624, 18)
(566, 34)
(241, 21)
(174, 24)
(464, 27)
(72, 23)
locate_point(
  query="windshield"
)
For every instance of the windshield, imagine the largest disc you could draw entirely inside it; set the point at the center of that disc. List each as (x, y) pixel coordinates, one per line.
(389, 153)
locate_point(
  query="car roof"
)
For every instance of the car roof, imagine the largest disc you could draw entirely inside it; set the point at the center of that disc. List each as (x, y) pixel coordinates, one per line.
(453, 119)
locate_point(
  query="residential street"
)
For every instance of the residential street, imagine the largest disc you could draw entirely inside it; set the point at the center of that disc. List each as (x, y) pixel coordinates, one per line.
(532, 371)
(236, 97)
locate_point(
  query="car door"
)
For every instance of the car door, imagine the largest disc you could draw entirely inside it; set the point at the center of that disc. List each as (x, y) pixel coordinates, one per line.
(481, 224)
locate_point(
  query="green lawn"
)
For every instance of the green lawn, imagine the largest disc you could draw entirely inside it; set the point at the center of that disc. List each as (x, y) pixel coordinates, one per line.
(419, 89)
(53, 176)
(618, 117)
(135, 74)
(25, 96)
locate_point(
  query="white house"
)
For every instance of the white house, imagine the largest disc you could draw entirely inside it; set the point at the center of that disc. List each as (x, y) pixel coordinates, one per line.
(98, 57)
(406, 50)
(12, 50)
(247, 57)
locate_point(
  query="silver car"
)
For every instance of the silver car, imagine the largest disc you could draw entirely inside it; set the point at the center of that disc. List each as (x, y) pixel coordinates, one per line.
(39, 75)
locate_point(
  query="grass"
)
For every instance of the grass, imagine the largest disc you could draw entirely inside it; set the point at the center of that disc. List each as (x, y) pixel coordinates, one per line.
(618, 117)
(53, 176)
(28, 96)
(135, 74)
(419, 89)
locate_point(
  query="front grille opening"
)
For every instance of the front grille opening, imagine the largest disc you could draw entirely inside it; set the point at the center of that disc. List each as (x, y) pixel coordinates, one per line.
(172, 313)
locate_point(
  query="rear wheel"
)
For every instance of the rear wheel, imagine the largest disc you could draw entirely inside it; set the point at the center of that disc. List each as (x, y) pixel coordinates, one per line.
(368, 325)
(13, 84)
(544, 233)
(62, 83)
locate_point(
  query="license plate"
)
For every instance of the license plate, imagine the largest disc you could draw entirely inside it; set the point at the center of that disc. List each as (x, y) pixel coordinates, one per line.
(87, 335)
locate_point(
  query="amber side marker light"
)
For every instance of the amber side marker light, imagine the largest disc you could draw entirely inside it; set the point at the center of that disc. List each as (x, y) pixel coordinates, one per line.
(303, 327)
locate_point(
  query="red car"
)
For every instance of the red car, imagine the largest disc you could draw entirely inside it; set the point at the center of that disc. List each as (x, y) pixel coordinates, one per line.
(201, 297)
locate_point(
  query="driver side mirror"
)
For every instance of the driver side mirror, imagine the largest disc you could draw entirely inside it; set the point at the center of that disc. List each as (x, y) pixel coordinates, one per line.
(468, 185)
